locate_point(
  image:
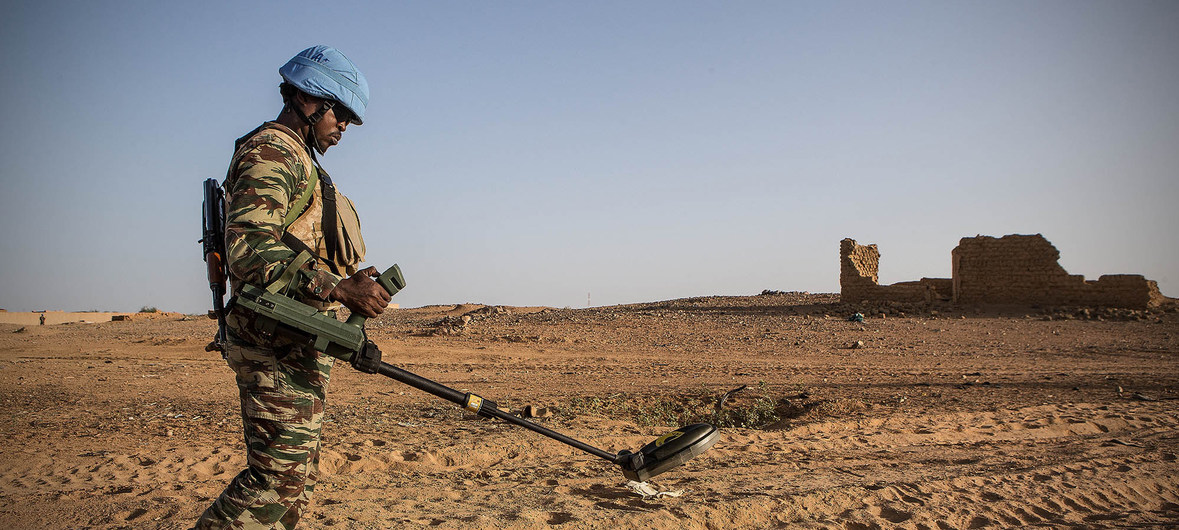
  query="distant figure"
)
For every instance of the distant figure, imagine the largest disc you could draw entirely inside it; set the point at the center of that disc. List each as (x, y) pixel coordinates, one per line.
(42, 319)
(286, 224)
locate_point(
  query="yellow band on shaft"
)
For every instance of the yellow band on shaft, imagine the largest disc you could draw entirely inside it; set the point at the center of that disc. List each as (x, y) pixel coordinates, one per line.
(474, 403)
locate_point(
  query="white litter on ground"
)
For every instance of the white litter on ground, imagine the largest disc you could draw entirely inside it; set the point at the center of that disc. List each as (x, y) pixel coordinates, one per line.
(649, 492)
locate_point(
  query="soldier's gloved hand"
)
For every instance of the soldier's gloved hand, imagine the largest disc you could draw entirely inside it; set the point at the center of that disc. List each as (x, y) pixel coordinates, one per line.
(361, 294)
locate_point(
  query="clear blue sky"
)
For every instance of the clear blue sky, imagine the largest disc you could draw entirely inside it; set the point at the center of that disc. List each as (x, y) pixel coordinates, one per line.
(531, 153)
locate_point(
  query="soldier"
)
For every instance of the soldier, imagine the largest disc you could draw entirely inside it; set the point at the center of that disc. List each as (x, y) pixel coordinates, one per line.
(288, 228)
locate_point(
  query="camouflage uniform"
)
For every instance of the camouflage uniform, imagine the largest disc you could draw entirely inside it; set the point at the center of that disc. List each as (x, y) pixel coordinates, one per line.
(282, 385)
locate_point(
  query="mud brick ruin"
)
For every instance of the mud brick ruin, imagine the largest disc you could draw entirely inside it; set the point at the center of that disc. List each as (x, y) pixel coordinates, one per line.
(1011, 270)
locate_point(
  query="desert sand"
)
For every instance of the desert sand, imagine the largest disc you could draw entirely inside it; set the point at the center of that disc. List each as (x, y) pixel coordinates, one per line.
(33, 318)
(914, 418)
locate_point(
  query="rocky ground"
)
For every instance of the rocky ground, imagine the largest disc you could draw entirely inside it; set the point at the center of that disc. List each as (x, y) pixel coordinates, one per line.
(917, 417)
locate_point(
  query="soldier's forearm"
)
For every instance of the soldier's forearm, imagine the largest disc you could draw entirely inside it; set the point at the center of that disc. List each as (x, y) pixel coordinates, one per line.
(258, 259)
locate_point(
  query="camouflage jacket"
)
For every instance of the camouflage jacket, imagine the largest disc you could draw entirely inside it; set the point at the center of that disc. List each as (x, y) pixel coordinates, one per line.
(270, 169)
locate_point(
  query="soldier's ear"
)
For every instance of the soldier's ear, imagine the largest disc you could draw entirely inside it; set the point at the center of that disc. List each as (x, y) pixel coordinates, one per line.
(303, 98)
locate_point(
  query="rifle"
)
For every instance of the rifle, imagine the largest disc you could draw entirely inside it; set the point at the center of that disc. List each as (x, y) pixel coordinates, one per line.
(213, 245)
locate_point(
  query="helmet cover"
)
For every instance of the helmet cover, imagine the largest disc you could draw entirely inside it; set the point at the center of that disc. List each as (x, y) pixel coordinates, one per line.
(324, 72)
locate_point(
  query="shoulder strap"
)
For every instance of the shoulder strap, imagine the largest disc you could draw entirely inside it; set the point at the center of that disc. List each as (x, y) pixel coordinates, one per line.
(330, 233)
(328, 222)
(300, 203)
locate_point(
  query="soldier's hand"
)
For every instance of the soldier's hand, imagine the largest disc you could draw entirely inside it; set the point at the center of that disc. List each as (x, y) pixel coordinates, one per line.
(361, 294)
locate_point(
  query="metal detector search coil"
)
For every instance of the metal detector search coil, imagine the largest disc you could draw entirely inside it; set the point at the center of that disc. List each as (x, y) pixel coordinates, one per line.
(668, 451)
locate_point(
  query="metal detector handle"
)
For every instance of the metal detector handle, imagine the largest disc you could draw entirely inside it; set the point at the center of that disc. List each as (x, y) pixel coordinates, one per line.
(392, 281)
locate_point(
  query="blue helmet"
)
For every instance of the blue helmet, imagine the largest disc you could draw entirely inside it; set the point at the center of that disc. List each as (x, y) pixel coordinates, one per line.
(324, 72)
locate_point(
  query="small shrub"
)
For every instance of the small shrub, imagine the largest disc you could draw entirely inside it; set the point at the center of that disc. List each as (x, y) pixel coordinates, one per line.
(753, 412)
(754, 408)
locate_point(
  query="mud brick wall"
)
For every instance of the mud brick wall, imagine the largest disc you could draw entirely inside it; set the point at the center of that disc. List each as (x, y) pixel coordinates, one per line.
(859, 267)
(939, 288)
(1025, 270)
(859, 278)
(1124, 290)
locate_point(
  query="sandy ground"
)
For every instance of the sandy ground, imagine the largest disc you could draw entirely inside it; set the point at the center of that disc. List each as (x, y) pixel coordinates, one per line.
(955, 419)
(33, 318)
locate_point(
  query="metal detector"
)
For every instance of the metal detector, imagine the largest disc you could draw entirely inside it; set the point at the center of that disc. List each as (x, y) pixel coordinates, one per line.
(281, 315)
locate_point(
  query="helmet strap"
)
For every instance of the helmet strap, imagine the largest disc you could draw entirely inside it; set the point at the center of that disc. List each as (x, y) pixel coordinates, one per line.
(318, 114)
(311, 121)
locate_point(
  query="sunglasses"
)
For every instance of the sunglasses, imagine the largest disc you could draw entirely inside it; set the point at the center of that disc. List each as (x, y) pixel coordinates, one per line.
(343, 114)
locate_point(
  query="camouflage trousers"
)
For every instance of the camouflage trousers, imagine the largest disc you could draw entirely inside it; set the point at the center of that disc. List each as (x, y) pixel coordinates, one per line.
(282, 404)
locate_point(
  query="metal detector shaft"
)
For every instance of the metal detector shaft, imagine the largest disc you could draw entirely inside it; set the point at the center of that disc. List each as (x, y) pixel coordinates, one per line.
(484, 407)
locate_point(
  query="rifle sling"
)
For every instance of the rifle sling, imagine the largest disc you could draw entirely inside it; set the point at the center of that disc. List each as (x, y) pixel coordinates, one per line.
(330, 238)
(300, 203)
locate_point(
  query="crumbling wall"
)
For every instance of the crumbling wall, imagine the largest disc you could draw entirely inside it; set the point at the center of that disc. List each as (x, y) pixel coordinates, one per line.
(1014, 269)
(1025, 270)
(859, 279)
(859, 267)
